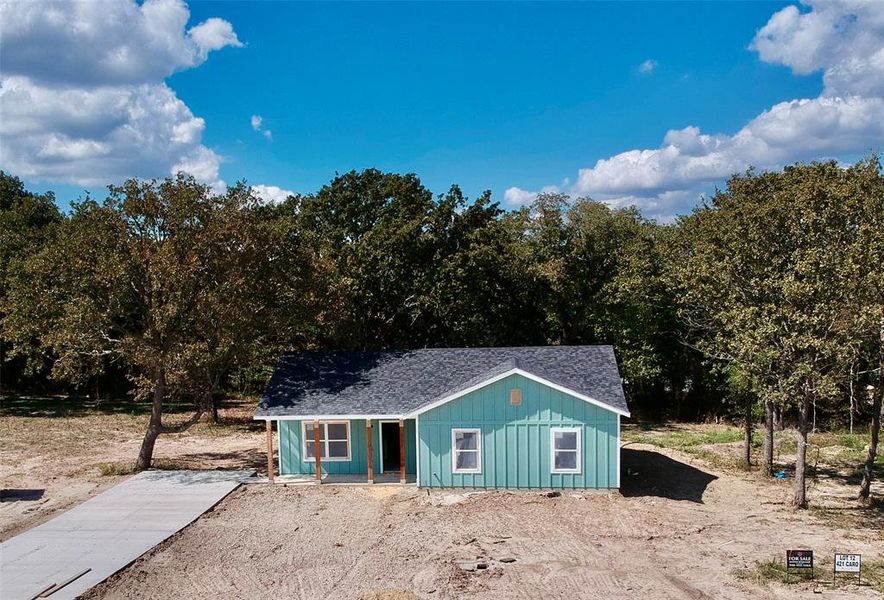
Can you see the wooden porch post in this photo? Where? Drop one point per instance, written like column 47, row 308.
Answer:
column 317, row 451
column 370, row 453
column 401, row 451
column 270, row 450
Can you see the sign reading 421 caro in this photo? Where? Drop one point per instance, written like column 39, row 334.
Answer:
column 847, row 563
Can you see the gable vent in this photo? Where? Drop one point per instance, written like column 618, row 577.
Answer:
column 515, row 397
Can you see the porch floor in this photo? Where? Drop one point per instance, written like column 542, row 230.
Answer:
column 341, row 479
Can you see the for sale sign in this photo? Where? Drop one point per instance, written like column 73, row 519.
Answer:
column 799, row 559
column 847, row 563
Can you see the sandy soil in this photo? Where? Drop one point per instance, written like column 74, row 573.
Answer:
column 50, row 463
column 677, row 531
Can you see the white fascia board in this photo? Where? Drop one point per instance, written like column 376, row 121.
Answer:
column 619, row 452
column 525, row 374
column 328, row 417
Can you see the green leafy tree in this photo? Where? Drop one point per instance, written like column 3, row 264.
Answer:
column 163, row 277
column 767, row 274
column 371, row 227
column 27, row 223
column 473, row 291
column 597, row 275
column 863, row 325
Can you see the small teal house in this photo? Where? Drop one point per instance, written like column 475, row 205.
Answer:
column 542, row 417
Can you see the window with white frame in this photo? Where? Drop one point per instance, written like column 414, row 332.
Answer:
column 466, row 450
column 334, row 440
column 565, row 449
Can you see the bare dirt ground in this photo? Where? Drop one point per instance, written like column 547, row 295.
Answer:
column 52, row 453
column 678, row 530
column 688, row 523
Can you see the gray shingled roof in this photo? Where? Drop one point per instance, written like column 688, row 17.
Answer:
column 397, row 382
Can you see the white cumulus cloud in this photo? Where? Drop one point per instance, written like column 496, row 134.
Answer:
column 648, row 66
column 92, row 106
column 844, row 40
column 271, row 194
column 518, row 197
column 257, row 122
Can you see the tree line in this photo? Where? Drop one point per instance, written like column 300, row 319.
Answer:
column 765, row 303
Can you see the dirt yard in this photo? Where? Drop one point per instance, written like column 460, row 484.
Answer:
column 688, row 523
column 56, row 453
column 677, row 531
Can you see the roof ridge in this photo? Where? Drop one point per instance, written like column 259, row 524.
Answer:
column 448, row 349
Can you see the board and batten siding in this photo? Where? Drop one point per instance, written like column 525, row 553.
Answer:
column 291, row 448
column 515, row 450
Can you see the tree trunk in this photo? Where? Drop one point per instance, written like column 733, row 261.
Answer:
column 814, row 416
column 800, row 500
column 768, row 437
column 852, row 396
column 213, row 400
column 747, row 442
column 155, row 426
column 865, row 487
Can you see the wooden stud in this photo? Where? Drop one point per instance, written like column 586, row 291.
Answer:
column 370, row 453
column 317, row 451
column 401, row 451
column 57, row 586
column 270, row 473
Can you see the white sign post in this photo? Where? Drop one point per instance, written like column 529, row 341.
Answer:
column 847, row 563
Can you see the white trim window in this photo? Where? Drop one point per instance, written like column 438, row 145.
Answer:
column 334, row 440
column 466, row 450
column 564, row 448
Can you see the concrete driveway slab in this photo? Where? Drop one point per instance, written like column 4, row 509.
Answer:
column 109, row 531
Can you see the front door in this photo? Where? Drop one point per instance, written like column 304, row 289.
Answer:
column 390, row 446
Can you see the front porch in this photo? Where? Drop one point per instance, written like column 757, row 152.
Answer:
column 331, row 479
column 331, row 450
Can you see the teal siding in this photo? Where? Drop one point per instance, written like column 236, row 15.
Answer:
column 291, row 449
column 410, row 445
column 515, row 449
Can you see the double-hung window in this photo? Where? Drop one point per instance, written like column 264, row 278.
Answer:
column 466, row 450
column 334, row 440
column 565, row 449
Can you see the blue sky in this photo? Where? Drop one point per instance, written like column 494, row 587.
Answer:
column 497, row 96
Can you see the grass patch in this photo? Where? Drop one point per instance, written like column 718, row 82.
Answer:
column 839, row 444
column 721, row 445
column 115, row 469
column 77, row 405
column 684, row 438
column 41, row 426
column 873, row 574
column 169, row 464
column 774, row 571
column 695, row 440
column 869, row 517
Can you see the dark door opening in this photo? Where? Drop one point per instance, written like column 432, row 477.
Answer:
column 390, row 446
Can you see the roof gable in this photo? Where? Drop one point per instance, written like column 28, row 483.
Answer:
column 503, row 375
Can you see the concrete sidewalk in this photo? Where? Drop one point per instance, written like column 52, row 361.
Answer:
column 109, row 531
